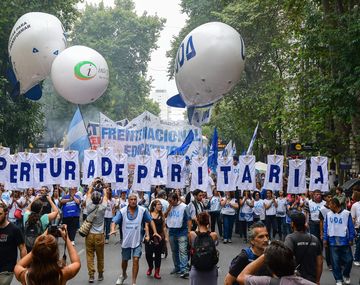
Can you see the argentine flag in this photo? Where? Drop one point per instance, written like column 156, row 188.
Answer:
column 77, row 137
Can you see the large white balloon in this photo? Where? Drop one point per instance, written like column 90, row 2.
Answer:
column 80, row 74
column 35, row 41
column 209, row 63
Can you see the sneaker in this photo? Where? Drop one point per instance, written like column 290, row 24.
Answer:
column 101, row 276
column 91, row 279
column 106, row 241
column 225, row 240
column 347, row 280
column 229, row 241
column 357, row 263
column 339, row 283
column 175, row 271
column 121, row 279
column 184, row 275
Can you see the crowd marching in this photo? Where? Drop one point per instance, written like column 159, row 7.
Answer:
column 300, row 227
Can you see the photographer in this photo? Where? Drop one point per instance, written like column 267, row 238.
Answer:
column 43, row 266
column 71, row 212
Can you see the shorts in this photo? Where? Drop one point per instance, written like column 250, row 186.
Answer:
column 128, row 252
column 6, row 277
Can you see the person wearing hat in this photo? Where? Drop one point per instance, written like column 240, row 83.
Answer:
column 94, row 242
column 306, row 248
column 315, row 205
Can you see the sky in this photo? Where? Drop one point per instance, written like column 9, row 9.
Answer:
column 157, row 69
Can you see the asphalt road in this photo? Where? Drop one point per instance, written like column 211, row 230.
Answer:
column 113, row 259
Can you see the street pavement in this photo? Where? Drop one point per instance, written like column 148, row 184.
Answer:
column 113, row 259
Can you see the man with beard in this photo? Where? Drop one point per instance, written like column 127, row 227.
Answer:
column 259, row 240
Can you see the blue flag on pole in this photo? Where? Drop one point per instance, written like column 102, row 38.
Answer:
column 181, row 150
column 249, row 150
column 77, row 137
column 213, row 152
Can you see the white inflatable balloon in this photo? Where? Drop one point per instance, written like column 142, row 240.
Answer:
column 80, row 74
column 209, row 63
column 35, row 41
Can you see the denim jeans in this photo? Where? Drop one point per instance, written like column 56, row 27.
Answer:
column 216, row 218
column 270, row 222
column 179, row 252
column 107, row 227
column 228, row 221
column 341, row 255
column 315, row 229
column 357, row 246
column 282, row 228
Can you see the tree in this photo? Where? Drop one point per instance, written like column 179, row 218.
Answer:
column 21, row 120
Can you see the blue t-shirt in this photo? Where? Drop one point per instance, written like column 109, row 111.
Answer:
column 71, row 209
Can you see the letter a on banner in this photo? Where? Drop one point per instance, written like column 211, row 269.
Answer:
column 121, row 171
column 319, row 176
column 176, row 177
column 4, row 152
column 246, row 179
column 200, row 175
column 225, row 174
column 54, row 166
column 71, row 169
column 25, row 172
column 142, row 173
column 106, row 164
column 41, row 161
column 158, row 166
column 90, row 166
column 297, row 176
column 274, row 173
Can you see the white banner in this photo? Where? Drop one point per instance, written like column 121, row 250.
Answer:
column 54, row 166
column 246, row 179
column 25, row 170
column 12, row 172
column 176, row 176
column 71, row 169
column 158, row 166
column 274, row 173
column 319, row 176
column 4, row 152
column 90, row 166
column 40, row 169
column 121, row 171
column 142, row 173
column 225, row 174
column 106, row 164
column 297, row 176
column 199, row 172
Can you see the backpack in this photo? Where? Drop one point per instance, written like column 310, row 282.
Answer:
column 204, row 255
column 31, row 232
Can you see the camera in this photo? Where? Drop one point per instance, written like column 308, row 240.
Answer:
column 54, row 230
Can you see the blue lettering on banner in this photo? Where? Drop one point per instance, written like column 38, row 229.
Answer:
column 158, row 169
column 274, row 173
column 41, row 167
column 106, row 166
column 175, row 172
column 54, row 173
column 247, row 175
column 321, row 177
column 142, row 172
column 200, row 178
column 91, row 168
column 174, row 214
column 13, row 173
column 70, row 167
column 3, row 163
column 226, row 170
column 25, row 168
column 297, row 178
column 119, row 172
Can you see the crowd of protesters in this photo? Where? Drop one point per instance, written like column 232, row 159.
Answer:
column 300, row 227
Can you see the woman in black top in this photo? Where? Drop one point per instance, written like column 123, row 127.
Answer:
column 153, row 245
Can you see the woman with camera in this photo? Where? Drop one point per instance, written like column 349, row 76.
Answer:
column 42, row 266
column 154, row 245
column 71, row 212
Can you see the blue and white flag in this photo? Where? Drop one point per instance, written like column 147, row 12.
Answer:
column 181, row 150
column 77, row 137
column 213, row 152
column 228, row 150
column 233, row 149
column 249, row 150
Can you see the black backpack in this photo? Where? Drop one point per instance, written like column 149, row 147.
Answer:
column 204, row 255
column 31, row 232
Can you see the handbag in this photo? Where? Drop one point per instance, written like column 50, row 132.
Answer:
column 87, row 224
column 18, row 214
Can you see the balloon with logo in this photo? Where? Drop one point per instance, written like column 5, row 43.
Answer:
column 80, row 74
column 209, row 63
column 35, row 41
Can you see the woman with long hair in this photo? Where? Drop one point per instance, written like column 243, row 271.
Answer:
column 229, row 206
column 153, row 245
column 42, row 266
column 246, row 217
